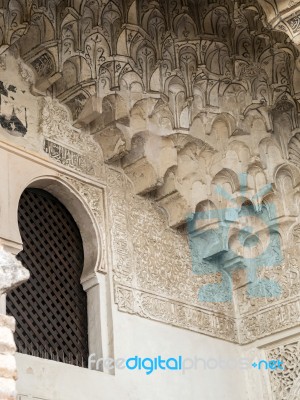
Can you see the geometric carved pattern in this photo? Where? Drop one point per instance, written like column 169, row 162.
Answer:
column 94, row 197
column 65, row 144
column 50, row 308
column 155, row 280
column 285, row 383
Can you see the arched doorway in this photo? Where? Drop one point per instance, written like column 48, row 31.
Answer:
column 51, row 307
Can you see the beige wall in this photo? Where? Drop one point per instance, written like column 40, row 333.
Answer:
column 135, row 336
column 132, row 335
column 90, row 199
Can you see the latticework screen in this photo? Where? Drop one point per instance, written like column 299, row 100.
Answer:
column 50, row 308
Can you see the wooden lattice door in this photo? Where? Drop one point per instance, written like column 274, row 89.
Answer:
column 50, row 308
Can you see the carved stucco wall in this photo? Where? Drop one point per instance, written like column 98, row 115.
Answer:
column 163, row 286
column 284, row 15
column 167, row 100
column 279, row 384
column 179, row 90
column 286, row 384
column 153, row 275
column 152, row 267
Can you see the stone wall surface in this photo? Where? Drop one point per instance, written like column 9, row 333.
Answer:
column 151, row 113
column 11, row 274
column 8, row 369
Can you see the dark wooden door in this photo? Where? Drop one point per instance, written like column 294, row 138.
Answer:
column 50, row 308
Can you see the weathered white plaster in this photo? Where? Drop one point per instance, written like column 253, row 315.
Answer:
column 12, row 273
